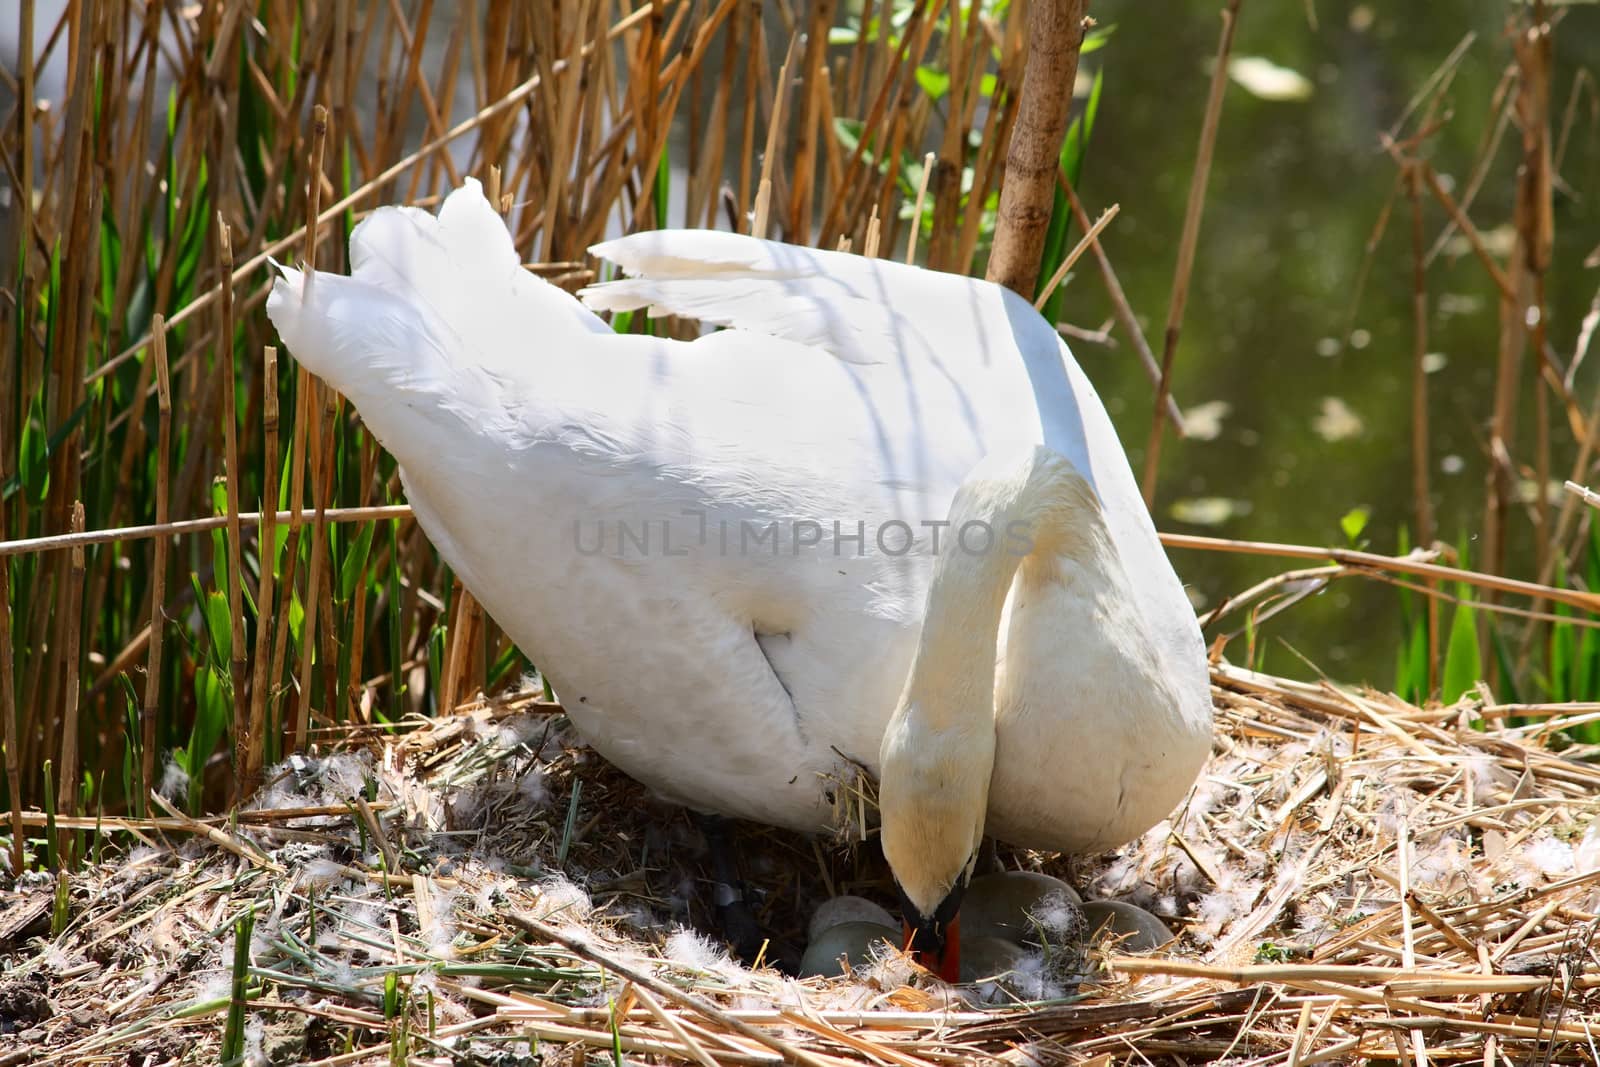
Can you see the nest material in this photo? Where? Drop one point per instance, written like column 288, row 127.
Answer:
column 1355, row 878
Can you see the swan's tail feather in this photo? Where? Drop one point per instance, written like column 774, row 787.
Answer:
column 429, row 297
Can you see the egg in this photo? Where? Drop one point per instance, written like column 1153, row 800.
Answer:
column 988, row 957
column 1134, row 929
column 845, row 909
column 997, row 905
column 852, row 941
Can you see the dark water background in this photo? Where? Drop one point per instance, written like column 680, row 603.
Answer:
column 1319, row 417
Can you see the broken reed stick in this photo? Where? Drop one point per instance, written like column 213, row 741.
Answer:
column 1072, row 257
column 916, row 212
column 763, row 208
column 1405, row 981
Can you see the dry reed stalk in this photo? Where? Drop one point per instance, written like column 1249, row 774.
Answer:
column 72, row 169
column 8, row 705
column 293, row 519
column 1522, row 302
column 1089, row 238
column 300, row 236
column 266, row 554
column 72, row 632
column 25, row 161
column 238, row 656
column 150, row 712
column 968, row 52
column 1119, row 303
column 1403, row 565
column 321, row 454
column 1535, row 222
column 23, row 183
column 1422, row 502
column 891, row 86
column 313, row 421
column 566, row 129
column 916, row 210
column 869, row 247
column 995, row 134
column 1188, row 242
column 1055, row 35
column 219, row 837
column 1501, row 103
column 450, row 670
column 1474, row 239
column 813, row 71
column 291, row 556
column 677, row 73
column 769, row 158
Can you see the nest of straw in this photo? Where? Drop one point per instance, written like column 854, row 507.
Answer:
column 1353, row 878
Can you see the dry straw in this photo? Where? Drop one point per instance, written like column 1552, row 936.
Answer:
column 1366, row 867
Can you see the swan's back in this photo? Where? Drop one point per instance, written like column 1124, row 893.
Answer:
column 1016, row 381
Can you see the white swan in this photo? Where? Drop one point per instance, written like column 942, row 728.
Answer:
column 720, row 552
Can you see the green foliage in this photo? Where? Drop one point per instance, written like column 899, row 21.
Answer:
column 1353, row 522
column 1073, row 150
column 233, row 1033
column 211, row 715
column 1462, row 666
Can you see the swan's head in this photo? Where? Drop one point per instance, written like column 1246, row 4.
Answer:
column 933, row 792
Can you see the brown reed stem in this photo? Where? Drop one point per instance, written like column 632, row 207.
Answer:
column 1422, row 504
column 1055, row 36
column 1402, row 565
column 1119, row 303
column 291, row 554
column 266, row 552
column 8, row 701
column 237, row 655
column 1421, row 494
column 23, row 199
column 769, row 159
column 72, row 631
column 151, row 711
column 311, row 388
column 1188, row 242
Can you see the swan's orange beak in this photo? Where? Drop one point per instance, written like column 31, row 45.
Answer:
column 943, row 957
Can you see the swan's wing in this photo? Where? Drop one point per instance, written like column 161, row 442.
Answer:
column 860, row 310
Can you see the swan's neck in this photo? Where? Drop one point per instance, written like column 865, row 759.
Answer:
column 1037, row 512
column 938, row 750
